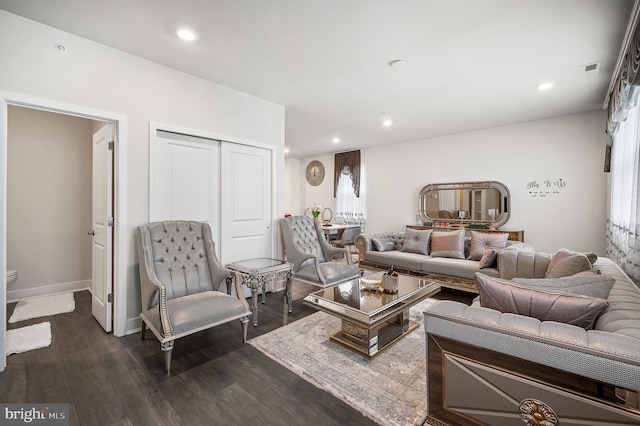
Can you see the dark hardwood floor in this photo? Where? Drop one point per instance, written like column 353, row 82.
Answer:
column 215, row 379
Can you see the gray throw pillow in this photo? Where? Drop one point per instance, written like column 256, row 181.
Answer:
column 488, row 259
column 385, row 244
column 416, row 241
column 507, row 297
column 569, row 265
column 448, row 244
column 591, row 285
column 481, row 241
column 563, row 253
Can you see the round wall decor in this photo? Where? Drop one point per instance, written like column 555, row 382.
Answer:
column 315, row 173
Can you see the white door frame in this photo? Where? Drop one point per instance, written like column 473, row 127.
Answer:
column 121, row 252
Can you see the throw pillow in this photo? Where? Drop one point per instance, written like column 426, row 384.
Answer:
column 384, row 244
column 488, row 259
column 448, row 244
column 480, row 241
column 569, row 265
column 587, row 285
column 563, row 253
column 416, row 241
column 507, row 297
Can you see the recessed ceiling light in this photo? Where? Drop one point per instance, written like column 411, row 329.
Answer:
column 387, row 122
column 286, row 150
column 60, row 47
column 396, row 63
column 186, row 34
column 545, row 86
column 335, row 140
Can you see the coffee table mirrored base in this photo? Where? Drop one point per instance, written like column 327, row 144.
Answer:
column 372, row 321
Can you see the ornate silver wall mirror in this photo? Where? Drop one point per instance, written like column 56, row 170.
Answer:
column 466, row 203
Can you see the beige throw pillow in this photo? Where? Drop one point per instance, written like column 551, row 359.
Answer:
column 569, row 265
column 507, row 297
column 448, row 244
column 489, row 258
column 563, row 253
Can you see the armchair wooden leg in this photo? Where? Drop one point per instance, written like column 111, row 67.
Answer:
column 245, row 325
column 167, row 349
column 143, row 330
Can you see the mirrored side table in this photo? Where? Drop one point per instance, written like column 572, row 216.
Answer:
column 254, row 273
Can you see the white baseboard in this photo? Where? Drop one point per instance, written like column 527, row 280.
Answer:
column 133, row 326
column 20, row 294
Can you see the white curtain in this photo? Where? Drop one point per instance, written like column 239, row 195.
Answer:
column 623, row 227
column 349, row 208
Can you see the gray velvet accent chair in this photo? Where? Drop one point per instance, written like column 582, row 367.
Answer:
column 347, row 240
column 310, row 253
column 180, row 279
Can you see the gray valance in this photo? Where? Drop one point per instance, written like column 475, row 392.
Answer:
column 347, row 163
column 624, row 93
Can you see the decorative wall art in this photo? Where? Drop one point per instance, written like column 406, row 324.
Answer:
column 546, row 187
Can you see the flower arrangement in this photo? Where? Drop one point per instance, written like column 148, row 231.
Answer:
column 316, row 209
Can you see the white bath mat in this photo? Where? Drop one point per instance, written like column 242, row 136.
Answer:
column 28, row 338
column 43, row 306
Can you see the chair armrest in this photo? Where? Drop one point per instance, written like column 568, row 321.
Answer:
column 328, row 250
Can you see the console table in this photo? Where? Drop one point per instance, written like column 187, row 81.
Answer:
column 514, row 235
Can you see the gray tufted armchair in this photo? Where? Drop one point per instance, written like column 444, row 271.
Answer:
column 310, row 253
column 180, row 278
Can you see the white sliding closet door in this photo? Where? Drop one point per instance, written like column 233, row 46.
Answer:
column 185, row 180
column 245, row 203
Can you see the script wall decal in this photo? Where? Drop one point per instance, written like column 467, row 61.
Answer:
column 545, row 188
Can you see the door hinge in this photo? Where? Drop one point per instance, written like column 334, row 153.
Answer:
column 111, row 145
column 110, row 298
column 110, row 222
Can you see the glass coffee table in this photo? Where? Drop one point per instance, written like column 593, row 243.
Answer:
column 372, row 320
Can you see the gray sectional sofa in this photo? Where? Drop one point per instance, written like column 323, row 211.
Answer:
column 448, row 272
column 494, row 368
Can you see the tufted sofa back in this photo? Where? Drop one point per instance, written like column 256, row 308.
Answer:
column 182, row 256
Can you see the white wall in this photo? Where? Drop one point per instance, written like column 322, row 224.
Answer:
column 48, row 201
column 570, row 148
column 95, row 76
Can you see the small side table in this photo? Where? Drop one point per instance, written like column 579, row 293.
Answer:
column 254, row 273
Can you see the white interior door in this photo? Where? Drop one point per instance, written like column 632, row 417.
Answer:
column 185, row 179
column 246, row 203
column 102, row 232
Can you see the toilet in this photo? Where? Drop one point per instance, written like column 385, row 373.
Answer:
column 12, row 277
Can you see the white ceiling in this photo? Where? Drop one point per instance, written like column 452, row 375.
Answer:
column 469, row 64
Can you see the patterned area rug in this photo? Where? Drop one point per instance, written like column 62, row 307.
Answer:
column 390, row 389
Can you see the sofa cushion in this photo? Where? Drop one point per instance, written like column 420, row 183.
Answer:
column 416, row 241
column 591, row 285
column 568, row 265
column 448, row 244
column 508, row 297
column 386, row 244
column 481, row 241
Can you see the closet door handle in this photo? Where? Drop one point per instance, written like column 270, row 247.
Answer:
column 92, row 233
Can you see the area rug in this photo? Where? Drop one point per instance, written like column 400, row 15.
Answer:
column 28, row 338
column 43, row 306
column 390, row 389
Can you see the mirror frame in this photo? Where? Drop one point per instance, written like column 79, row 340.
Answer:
column 505, row 201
